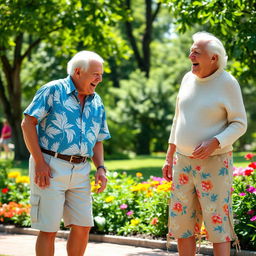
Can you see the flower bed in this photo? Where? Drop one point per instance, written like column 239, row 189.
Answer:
column 131, row 206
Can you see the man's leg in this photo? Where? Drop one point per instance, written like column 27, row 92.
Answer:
column 77, row 240
column 221, row 249
column 45, row 243
column 187, row 246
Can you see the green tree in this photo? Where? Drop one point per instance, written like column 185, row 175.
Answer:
column 65, row 25
column 234, row 21
column 145, row 106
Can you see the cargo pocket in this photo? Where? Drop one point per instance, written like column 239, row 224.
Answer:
column 34, row 201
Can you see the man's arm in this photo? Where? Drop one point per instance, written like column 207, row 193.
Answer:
column 167, row 168
column 42, row 169
column 98, row 160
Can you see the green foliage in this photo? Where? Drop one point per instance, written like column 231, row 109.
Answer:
column 135, row 206
column 244, row 206
column 144, row 107
column 129, row 207
column 233, row 21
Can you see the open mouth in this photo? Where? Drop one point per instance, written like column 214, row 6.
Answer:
column 93, row 85
column 195, row 64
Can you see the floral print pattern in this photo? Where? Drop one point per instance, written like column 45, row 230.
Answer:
column 63, row 126
column 205, row 187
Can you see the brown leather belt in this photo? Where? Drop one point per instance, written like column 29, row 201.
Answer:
column 72, row 159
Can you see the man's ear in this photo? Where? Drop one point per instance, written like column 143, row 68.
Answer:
column 214, row 58
column 77, row 72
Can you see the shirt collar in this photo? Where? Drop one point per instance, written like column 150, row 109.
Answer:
column 70, row 87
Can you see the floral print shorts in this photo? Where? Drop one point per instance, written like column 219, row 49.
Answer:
column 201, row 191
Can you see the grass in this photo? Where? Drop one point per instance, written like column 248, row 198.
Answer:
column 148, row 165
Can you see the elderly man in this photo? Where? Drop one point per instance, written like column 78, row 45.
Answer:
column 209, row 118
column 63, row 127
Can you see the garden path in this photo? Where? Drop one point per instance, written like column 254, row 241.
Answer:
column 23, row 245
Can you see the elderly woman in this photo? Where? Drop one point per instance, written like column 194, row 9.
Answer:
column 209, row 117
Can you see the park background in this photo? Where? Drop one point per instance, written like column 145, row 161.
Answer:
column 145, row 45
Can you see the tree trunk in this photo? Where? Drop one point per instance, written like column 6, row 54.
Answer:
column 143, row 139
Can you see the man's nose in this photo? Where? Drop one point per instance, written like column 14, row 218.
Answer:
column 191, row 56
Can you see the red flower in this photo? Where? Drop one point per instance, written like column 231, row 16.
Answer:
column 5, row 190
column 228, row 239
column 216, row 219
column 154, row 221
column 252, row 165
column 248, row 171
column 197, row 228
column 249, row 156
column 226, row 163
column 198, row 193
column 183, row 179
column 198, row 168
column 207, row 185
column 225, row 209
column 177, row 207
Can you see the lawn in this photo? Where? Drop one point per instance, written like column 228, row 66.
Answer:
column 148, row 165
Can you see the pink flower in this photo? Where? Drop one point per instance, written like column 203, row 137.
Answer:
column 253, row 218
column 123, row 206
column 249, row 156
column 251, row 189
column 242, row 194
column 129, row 213
column 251, row 212
column 238, row 171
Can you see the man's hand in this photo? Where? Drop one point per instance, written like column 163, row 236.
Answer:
column 206, row 148
column 42, row 175
column 167, row 170
column 100, row 177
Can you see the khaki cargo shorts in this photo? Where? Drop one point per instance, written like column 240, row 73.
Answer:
column 201, row 190
column 67, row 197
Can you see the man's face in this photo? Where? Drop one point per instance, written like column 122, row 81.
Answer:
column 87, row 81
column 203, row 63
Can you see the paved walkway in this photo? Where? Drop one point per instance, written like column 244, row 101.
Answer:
column 23, row 245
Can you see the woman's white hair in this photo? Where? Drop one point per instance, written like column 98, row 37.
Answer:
column 82, row 60
column 214, row 46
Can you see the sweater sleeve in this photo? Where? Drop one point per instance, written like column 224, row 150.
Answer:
column 236, row 115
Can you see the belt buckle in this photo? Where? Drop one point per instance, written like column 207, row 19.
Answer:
column 76, row 157
column 73, row 157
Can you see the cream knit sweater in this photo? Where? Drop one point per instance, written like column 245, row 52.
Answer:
column 206, row 108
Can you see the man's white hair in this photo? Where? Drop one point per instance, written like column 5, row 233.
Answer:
column 214, row 46
column 82, row 60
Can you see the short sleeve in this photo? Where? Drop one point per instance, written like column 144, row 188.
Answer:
column 41, row 103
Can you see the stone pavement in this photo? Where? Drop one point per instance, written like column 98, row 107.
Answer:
column 23, row 245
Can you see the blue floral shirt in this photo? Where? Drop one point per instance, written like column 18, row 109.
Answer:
column 63, row 126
